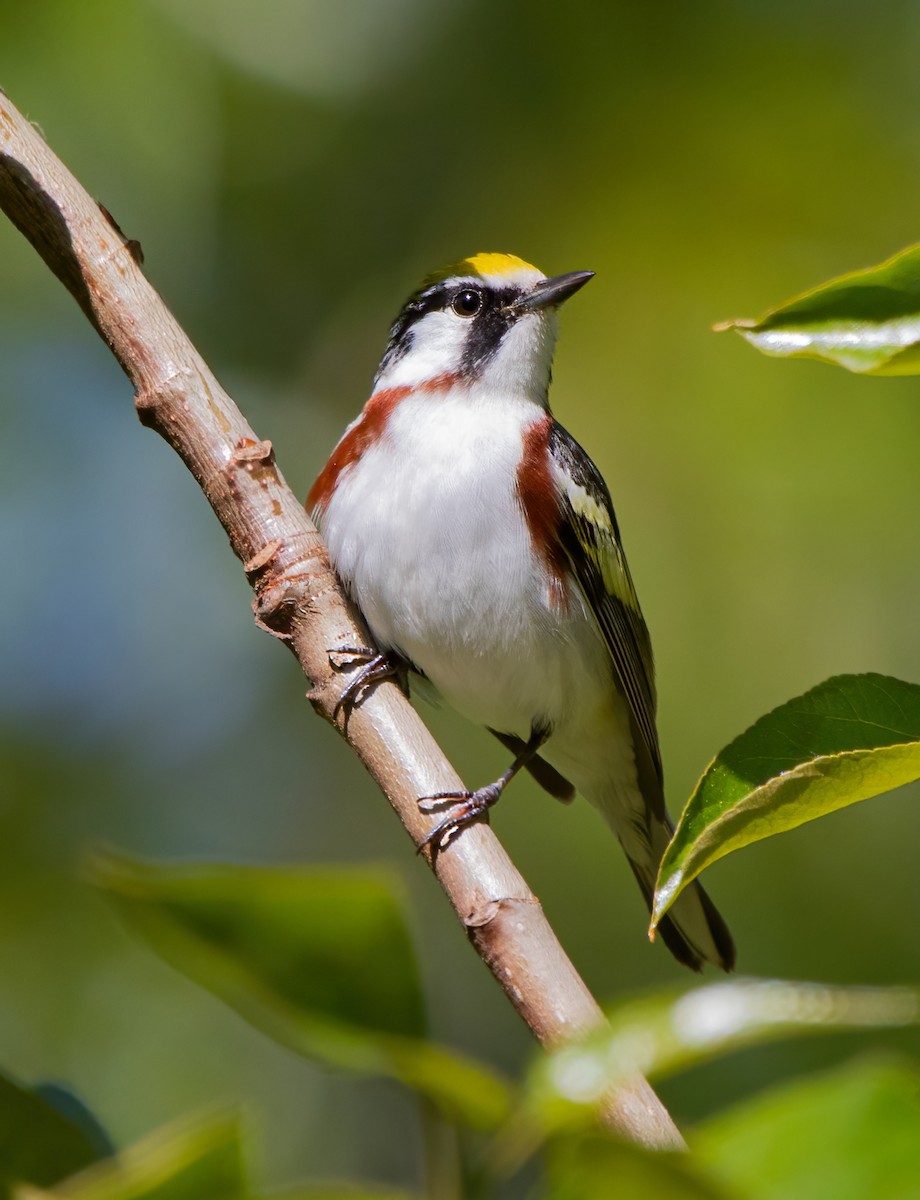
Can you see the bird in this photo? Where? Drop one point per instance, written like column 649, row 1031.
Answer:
column 480, row 544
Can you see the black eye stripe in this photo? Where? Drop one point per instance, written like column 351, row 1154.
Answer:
column 487, row 326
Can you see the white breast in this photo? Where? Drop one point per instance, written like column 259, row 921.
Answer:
column 427, row 531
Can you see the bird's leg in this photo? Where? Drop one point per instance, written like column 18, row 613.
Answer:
column 377, row 667
column 469, row 806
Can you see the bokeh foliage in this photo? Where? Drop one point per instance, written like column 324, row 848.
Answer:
column 291, row 174
column 263, row 941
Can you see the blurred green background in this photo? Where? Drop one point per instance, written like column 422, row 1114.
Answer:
column 291, row 173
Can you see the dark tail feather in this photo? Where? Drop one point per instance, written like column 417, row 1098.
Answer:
column 693, row 930
column 683, row 950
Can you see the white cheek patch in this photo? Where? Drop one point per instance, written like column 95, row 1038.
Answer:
column 523, row 360
column 437, row 346
column 519, row 365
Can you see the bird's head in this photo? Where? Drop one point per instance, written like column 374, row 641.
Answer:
column 489, row 320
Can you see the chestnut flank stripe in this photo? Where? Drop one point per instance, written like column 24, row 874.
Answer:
column 540, row 502
column 364, row 432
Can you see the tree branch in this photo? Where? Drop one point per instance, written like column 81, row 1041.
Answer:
column 296, row 594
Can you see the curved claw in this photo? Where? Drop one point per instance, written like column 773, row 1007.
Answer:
column 468, row 807
column 429, row 803
column 377, row 667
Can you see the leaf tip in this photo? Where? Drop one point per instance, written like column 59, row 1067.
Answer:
column 736, row 323
column 665, row 895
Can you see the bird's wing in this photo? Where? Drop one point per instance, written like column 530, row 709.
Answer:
column 590, row 538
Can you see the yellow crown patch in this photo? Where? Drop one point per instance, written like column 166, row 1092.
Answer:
column 496, row 264
column 481, row 265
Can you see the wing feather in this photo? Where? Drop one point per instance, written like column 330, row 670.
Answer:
column 591, row 539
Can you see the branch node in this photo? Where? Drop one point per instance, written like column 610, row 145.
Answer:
column 132, row 245
column 321, row 701
column 255, row 565
column 491, row 910
column 146, row 404
column 159, row 403
column 284, row 578
column 251, row 455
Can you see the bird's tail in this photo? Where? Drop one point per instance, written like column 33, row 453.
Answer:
column 693, row 929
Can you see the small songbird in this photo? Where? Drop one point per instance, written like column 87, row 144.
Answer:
column 479, row 541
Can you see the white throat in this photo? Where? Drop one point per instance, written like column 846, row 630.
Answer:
column 520, row 365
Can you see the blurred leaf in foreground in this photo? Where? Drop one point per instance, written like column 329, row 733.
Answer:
column 197, row 1160
column 592, row 1166
column 38, row 1143
column 662, row 1034
column 847, row 739
column 319, row 959
column 69, row 1104
column 866, row 321
column 849, row 1135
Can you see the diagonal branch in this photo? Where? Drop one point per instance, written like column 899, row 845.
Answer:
column 297, row 597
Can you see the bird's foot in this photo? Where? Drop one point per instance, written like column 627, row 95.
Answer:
column 466, row 807
column 377, row 667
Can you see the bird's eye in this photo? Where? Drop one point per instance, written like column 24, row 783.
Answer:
column 467, row 303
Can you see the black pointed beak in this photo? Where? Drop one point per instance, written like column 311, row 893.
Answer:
column 550, row 293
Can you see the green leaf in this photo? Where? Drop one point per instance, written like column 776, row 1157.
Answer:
column 866, row 321
column 38, row 1143
column 197, row 1160
column 591, row 1166
column 849, row 1135
column 847, row 739
column 333, row 943
column 668, row 1032
column 320, row 960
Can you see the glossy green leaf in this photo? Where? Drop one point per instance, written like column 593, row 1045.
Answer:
column 198, row 1160
column 866, row 321
column 38, row 1143
column 847, row 739
column 668, row 1032
column 321, row 960
column 849, row 1135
